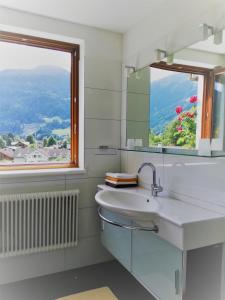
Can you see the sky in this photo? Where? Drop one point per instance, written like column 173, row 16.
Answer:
column 157, row 74
column 15, row 56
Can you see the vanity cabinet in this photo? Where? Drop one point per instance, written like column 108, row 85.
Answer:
column 157, row 264
column 166, row 271
column 117, row 240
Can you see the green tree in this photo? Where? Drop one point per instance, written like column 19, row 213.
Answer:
column 154, row 139
column 11, row 136
column 30, row 139
column 64, row 145
column 51, row 141
column 2, row 143
column 179, row 132
column 8, row 139
column 45, row 142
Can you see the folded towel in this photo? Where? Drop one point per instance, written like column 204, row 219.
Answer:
column 122, row 180
column 121, row 175
column 120, row 185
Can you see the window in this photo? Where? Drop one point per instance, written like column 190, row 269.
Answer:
column 39, row 102
column 178, row 104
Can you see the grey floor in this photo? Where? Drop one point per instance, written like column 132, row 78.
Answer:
column 51, row 287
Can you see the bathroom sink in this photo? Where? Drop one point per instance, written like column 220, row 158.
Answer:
column 132, row 205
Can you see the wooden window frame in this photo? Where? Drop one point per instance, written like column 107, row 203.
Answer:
column 74, row 50
column 207, row 101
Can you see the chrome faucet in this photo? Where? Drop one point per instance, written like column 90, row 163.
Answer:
column 156, row 188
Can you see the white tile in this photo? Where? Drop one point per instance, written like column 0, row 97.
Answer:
column 101, row 44
column 34, row 178
column 124, row 161
column 76, row 176
column 89, row 251
column 98, row 165
column 123, row 127
column 139, row 82
column 88, row 189
column 196, row 177
column 32, row 186
column 103, row 74
column 102, row 104
column 88, row 222
column 138, row 130
column 124, row 105
column 134, row 161
column 138, row 107
column 102, row 132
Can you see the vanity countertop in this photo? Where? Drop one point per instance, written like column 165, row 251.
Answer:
column 175, row 211
column 185, row 225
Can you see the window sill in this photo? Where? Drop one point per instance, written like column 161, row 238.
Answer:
column 41, row 172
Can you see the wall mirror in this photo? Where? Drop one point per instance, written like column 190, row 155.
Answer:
column 177, row 105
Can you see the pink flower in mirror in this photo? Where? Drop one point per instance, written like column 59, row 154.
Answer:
column 193, row 99
column 179, row 109
column 190, row 115
column 180, row 118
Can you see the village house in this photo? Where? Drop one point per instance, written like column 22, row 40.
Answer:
column 20, row 143
column 6, row 154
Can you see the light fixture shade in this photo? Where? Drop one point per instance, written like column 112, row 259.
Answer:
column 170, row 59
column 218, row 37
column 160, row 55
column 130, row 70
column 157, row 55
column 206, row 31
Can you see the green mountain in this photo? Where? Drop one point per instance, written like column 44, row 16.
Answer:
column 34, row 100
column 166, row 94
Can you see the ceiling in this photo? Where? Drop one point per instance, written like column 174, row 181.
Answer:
column 114, row 15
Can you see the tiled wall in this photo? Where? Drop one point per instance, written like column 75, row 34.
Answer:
column 103, row 56
column 198, row 180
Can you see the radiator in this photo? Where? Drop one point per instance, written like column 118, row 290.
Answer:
column 35, row 222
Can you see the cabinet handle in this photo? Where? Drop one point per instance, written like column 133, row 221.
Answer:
column 154, row 228
column 177, row 282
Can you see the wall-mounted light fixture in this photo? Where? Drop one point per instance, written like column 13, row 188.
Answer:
column 207, row 31
column 170, row 59
column 160, row 55
column 218, row 37
column 130, row 70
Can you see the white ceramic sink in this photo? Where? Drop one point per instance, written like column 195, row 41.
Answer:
column 132, row 205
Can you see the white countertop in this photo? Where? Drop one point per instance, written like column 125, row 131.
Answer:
column 175, row 211
column 184, row 225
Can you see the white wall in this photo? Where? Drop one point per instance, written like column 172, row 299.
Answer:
column 103, row 57
column 173, row 28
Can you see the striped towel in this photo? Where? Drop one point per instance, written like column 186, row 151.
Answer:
column 120, row 180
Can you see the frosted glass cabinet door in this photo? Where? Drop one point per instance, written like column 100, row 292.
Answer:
column 158, row 265
column 117, row 240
